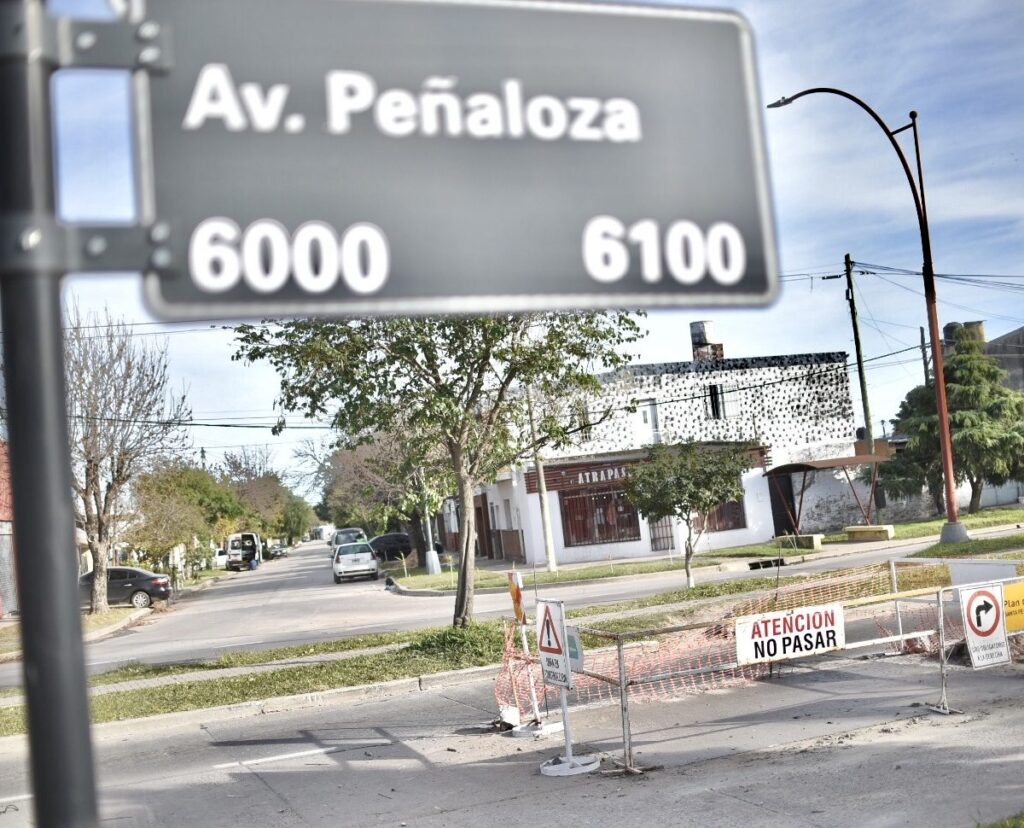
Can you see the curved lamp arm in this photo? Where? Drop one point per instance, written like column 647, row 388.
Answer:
column 953, row 531
column 922, row 218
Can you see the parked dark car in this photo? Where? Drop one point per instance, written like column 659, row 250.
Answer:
column 391, row 546
column 127, row 585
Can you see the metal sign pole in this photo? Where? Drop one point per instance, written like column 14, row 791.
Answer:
column 47, row 570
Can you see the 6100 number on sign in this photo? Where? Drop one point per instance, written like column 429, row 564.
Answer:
column 689, row 252
column 265, row 255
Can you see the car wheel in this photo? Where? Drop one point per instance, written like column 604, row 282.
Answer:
column 337, row 579
column 376, row 575
column 141, row 600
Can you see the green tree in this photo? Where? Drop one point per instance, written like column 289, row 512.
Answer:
column 258, row 486
column 298, row 518
column 396, row 481
column 986, row 422
column 919, row 464
column 456, row 380
column 986, row 419
column 688, row 481
column 181, row 504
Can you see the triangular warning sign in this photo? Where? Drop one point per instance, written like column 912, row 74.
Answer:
column 547, row 641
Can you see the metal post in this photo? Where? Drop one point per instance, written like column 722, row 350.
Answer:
column 943, row 704
column 851, row 298
column 895, row 588
column 953, row 531
column 627, row 736
column 44, row 528
column 565, row 725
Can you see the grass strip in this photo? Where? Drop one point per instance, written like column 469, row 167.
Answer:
column 986, row 518
column 1015, row 821
column 10, row 636
column 243, row 658
column 700, row 592
column 758, row 550
column 489, row 578
column 974, row 548
column 434, row 651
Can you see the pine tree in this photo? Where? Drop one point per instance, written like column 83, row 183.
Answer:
column 986, row 418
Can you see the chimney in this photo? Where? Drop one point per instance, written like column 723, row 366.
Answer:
column 976, row 330
column 701, row 336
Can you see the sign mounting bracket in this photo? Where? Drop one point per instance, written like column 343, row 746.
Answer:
column 29, row 32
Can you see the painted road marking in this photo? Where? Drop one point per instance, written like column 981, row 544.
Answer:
column 347, row 743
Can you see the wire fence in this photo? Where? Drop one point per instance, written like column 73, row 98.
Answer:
column 889, row 607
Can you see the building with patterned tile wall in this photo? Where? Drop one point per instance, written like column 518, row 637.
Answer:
column 794, row 407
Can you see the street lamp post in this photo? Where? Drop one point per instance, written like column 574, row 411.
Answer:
column 953, row 531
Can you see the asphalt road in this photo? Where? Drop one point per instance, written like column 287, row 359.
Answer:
column 829, row 743
column 295, row 601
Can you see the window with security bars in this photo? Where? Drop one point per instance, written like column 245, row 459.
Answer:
column 724, row 516
column 598, row 516
column 722, row 402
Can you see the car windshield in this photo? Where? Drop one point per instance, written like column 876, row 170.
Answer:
column 354, row 549
column 348, row 536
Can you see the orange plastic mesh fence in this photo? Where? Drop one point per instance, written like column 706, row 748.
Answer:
column 673, row 664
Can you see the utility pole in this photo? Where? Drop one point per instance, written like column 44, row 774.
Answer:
column 542, row 492
column 860, row 356
column 924, row 358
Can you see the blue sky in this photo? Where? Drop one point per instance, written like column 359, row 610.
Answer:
column 837, row 187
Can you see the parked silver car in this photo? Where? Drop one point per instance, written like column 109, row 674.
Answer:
column 352, row 560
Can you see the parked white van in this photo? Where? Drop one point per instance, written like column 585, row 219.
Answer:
column 242, row 549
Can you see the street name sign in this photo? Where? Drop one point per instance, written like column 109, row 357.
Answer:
column 984, row 625
column 794, row 633
column 356, row 157
column 552, row 644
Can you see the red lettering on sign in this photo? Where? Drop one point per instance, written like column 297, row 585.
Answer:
column 548, row 641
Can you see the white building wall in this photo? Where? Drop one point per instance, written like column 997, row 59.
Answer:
column 794, row 405
column 829, row 504
column 798, row 407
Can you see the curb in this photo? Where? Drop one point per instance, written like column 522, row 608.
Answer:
column 95, row 635
column 737, row 565
column 285, row 704
column 433, row 593
column 120, row 625
column 204, row 584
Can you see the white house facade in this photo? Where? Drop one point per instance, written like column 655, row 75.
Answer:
column 795, row 407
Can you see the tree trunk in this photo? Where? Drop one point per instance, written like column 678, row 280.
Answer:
column 938, row 498
column 467, row 551
column 417, row 535
column 977, row 486
column 99, row 577
column 690, row 582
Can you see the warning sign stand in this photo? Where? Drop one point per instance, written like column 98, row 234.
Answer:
column 554, row 655
column 536, row 728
